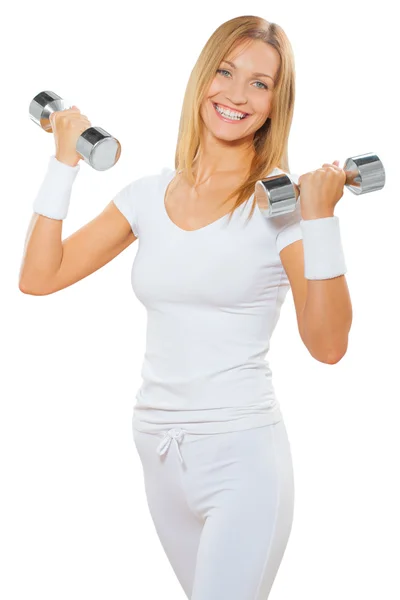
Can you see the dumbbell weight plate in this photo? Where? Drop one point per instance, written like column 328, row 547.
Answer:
column 98, row 148
column 367, row 173
column 42, row 106
column 276, row 195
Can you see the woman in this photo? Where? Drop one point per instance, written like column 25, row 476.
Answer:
column 212, row 274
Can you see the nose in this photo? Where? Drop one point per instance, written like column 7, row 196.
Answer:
column 175, row 435
column 235, row 93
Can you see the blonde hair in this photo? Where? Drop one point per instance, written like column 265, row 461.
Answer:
column 271, row 140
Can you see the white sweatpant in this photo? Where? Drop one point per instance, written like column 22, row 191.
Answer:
column 222, row 505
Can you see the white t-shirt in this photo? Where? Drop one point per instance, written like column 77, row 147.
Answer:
column 213, row 297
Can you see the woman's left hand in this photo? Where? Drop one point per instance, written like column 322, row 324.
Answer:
column 321, row 190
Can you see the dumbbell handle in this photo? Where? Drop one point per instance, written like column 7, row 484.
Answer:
column 352, row 179
column 96, row 146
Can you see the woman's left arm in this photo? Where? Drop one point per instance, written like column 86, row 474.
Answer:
column 323, row 306
column 327, row 318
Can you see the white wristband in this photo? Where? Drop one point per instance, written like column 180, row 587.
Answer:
column 54, row 194
column 323, row 252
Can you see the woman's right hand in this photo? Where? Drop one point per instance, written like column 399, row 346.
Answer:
column 67, row 126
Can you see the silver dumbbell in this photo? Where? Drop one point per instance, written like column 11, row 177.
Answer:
column 97, row 147
column 278, row 194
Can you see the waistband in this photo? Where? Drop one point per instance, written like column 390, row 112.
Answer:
column 175, row 430
column 212, row 422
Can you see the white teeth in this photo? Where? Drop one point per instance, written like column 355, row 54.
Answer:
column 229, row 114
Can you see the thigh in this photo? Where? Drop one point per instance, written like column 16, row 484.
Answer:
column 178, row 529
column 249, row 521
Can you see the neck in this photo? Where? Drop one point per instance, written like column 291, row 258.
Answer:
column 217, row 158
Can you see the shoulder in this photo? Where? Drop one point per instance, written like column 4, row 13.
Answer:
column 137, row 194
column 145, row 183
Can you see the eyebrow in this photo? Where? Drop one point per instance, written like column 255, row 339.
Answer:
column 254, row 74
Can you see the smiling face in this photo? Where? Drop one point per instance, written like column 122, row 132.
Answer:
column 243, row 83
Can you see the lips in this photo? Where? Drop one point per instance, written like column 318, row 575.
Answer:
column 229, row 108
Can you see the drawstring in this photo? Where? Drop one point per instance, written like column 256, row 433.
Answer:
column 172, row 434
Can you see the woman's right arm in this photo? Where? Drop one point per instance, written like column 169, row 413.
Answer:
column 50, row 264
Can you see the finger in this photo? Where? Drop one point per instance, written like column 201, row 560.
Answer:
column 336, row 166
column 73, row 109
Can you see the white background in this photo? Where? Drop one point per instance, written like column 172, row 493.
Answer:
column 74, row 521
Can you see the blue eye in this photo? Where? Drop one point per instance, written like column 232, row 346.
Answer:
column 263, row 84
